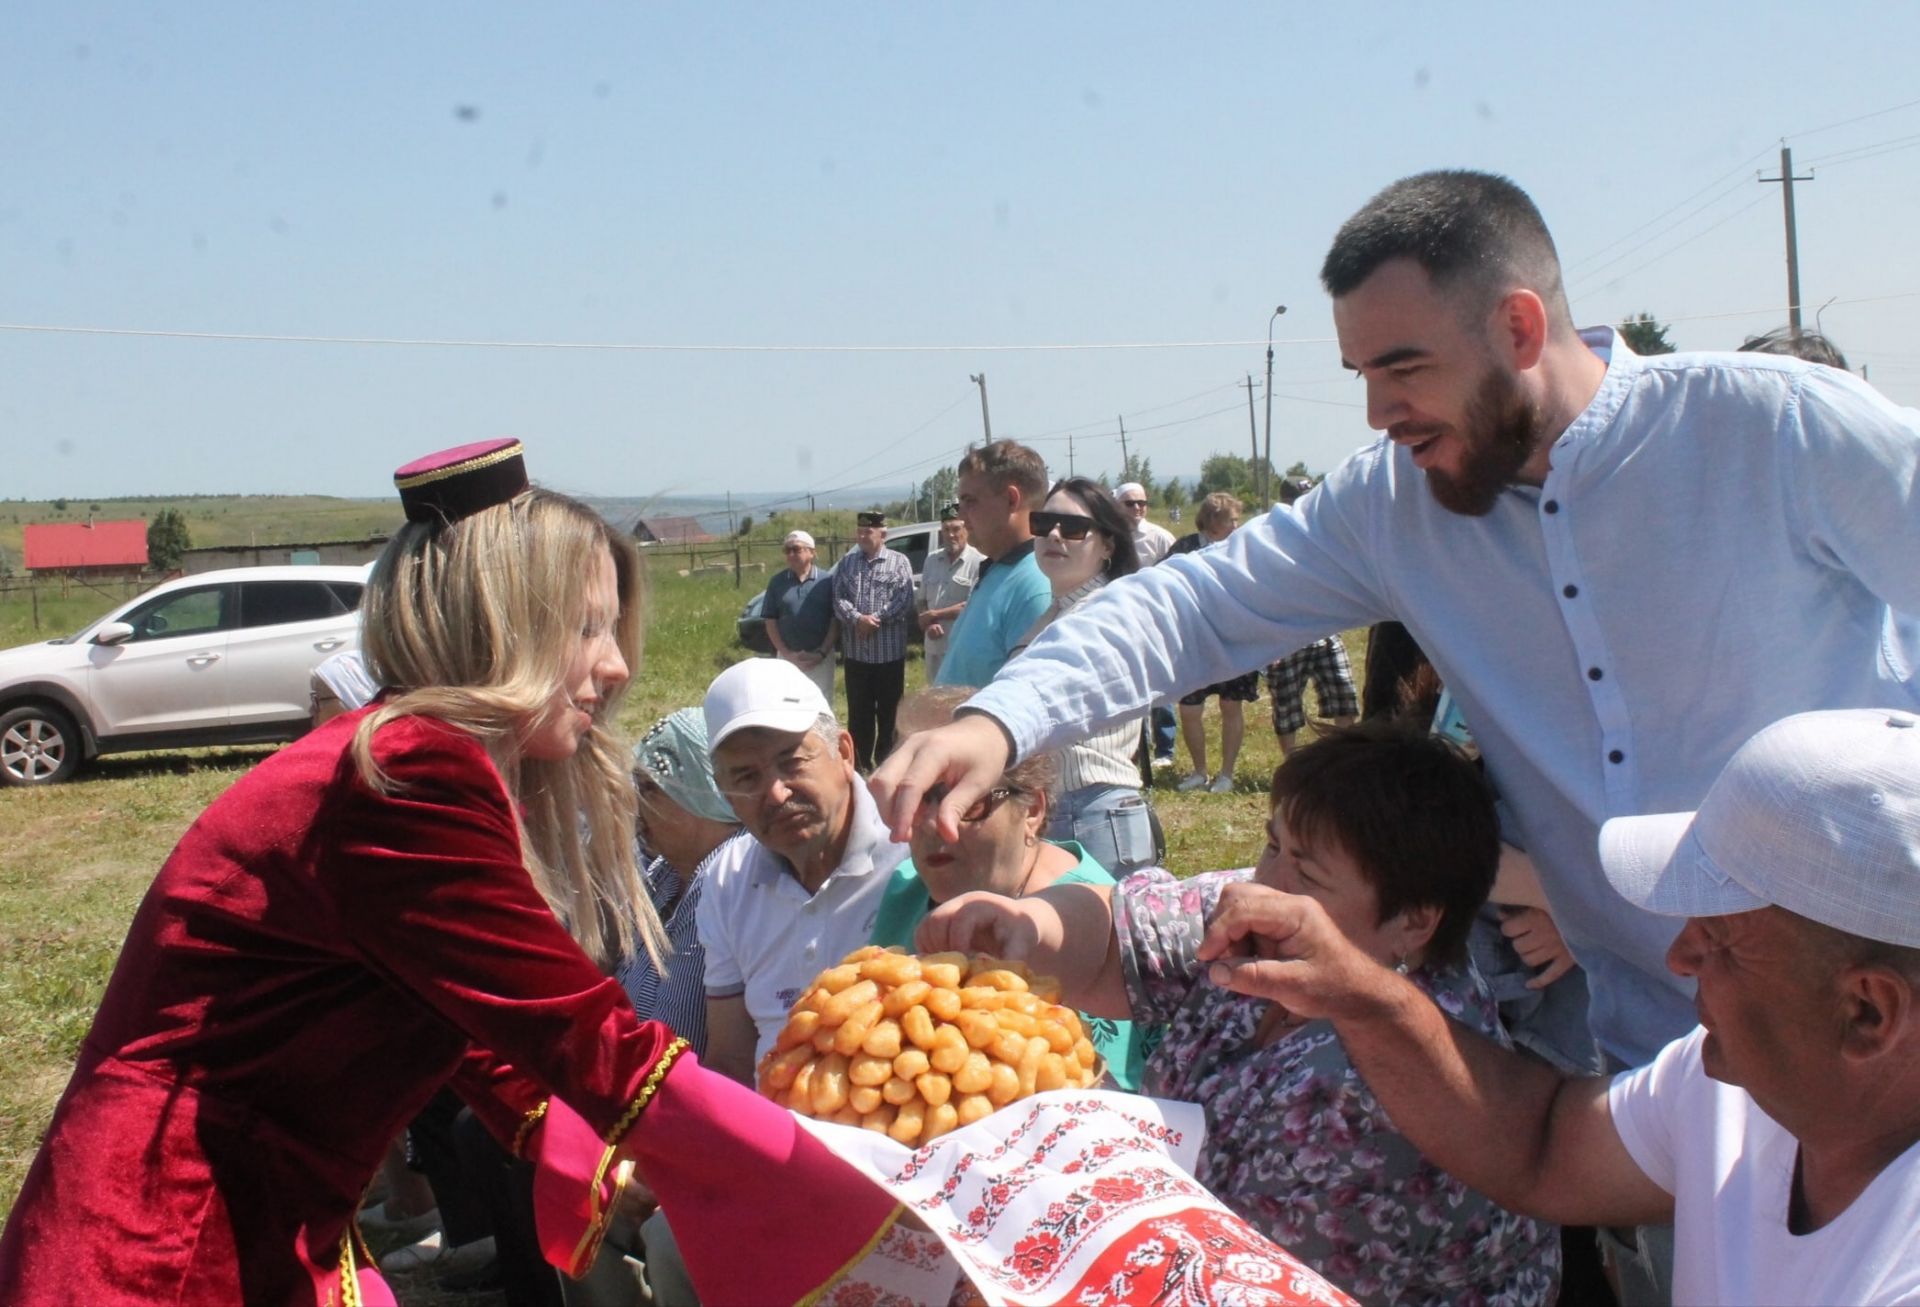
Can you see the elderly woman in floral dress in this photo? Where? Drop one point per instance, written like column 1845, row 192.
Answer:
column 1394, row 834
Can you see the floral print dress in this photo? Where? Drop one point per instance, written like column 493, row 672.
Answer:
column 1296, row 1142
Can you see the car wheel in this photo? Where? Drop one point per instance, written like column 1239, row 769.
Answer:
column 38, row 746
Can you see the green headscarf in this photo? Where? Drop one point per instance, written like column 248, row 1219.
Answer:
column 673, row 755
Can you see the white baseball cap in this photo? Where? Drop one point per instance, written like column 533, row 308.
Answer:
column 1130, row 488
column 1818, row 814
column 769, row 692
column 798, row 538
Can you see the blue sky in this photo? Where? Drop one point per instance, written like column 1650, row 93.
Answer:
column 859, row 176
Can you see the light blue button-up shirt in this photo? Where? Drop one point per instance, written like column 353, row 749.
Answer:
column 1714, row 549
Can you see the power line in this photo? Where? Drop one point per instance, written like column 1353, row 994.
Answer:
column 1848, row 122
column 1740, row 167
column 1620, row 276
column 646, row 348
column 1751, row 313
column 1588, row 277
column 1867, row 152
column 1578, row 264
column 1062, row 432
column 1860, row 149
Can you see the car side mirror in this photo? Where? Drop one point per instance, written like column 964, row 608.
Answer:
column 113, row 633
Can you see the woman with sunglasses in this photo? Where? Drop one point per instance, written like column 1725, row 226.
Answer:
column 1000, row 851
column 1082, row 540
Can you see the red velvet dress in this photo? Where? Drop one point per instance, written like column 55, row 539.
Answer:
column 311, row 964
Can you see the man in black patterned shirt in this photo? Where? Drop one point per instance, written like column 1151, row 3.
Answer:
column 873, row 591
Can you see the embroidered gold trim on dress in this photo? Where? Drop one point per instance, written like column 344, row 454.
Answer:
column 647, row 1091
column 821, row 1290
column 600, row 1212
column 533, row 1117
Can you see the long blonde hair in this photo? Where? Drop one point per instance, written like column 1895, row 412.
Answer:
column 475, row 623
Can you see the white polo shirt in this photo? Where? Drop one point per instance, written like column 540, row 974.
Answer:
column 766, row 938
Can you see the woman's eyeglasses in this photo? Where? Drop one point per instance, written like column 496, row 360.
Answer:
column 980, row 808
column 1071, row 526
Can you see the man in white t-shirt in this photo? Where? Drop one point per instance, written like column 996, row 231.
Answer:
column 1781, row 1137
column 778, row 909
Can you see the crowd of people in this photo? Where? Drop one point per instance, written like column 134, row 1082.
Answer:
column 1666, row 599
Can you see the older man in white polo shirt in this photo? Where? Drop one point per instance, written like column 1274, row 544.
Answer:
column 802, row 893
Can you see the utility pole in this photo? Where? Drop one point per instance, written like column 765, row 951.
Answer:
column 1253, row 438
column 1786, row 179
column 1069, row 453
column 980, row 380
column 1266, row 466
column 1126, row 459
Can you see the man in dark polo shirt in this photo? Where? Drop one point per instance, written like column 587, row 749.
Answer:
column 800, row 616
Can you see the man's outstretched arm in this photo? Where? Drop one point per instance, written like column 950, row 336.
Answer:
column 1510, row 1126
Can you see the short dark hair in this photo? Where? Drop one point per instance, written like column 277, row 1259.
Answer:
column 1808, row 345
column 1008, row 463
column 1410, row 809
column 1109, row 517
column 1467, row 230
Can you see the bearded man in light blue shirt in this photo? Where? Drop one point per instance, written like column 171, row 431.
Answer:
column 1622, row 567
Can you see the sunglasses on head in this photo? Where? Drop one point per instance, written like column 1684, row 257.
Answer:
column 1071, row 526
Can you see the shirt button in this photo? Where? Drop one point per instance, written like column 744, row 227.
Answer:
column 1594, row 673
column 1570, row 590
column 1616, row 756
column 1552, row 505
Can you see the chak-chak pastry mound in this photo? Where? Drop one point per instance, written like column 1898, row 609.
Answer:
column 917, row 1046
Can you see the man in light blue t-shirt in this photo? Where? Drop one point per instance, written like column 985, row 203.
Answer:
column 999, row 484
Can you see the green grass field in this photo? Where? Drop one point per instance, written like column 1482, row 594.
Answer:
column 79, row 856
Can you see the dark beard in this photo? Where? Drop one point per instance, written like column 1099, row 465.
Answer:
column 1501, row 429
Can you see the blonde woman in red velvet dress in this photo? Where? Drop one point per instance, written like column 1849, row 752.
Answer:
column 426, row 891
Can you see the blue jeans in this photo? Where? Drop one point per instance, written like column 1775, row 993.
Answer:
column 1164, row 731
column 1111, row 822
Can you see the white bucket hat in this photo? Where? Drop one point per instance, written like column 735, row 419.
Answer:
column 1818, row 814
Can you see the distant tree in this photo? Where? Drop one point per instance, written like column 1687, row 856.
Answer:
column 59, row 505
column 746, row 523
column 1645, row 335
column 1139, row 469
column 167, row 539
column 943, row 487
column 93, row 508
column 1172, row 493
column 1300, row 470
column 1228, row 472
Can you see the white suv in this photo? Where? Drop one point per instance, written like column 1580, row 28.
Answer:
column 218, row 658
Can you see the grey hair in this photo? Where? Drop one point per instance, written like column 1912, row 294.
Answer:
column 827, row 727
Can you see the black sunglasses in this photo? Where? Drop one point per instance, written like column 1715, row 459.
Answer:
column 1133, row 503
column 1071, row 526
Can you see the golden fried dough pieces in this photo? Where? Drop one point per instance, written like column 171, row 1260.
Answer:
column 917, row 1046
